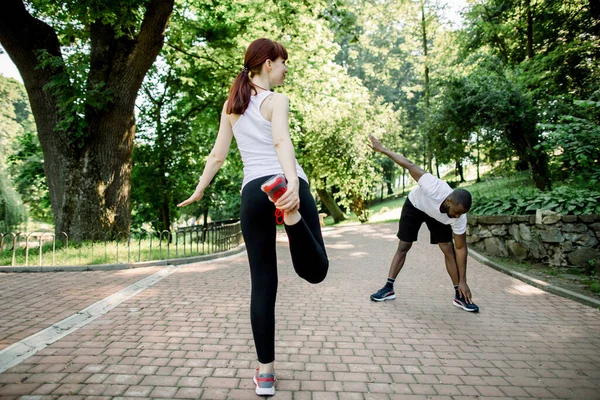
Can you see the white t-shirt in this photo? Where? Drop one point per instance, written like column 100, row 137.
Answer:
column 255, row 140
column 428, row 197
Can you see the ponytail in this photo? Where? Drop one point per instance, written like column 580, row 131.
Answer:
column 239, row 94
column 257, row 53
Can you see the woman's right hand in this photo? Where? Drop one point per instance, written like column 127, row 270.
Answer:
column 290, row 200
column 195, row 197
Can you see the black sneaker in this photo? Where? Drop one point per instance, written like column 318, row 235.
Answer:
column 461, row 303
column 383, row 294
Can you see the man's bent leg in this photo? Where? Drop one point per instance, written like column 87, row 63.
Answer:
column 399, row 258
column 387, row 292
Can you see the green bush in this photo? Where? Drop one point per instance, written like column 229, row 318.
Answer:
column 12, row 211
column 574, row 142
column 563, row 200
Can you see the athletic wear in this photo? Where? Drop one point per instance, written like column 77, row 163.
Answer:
column 461, row 303
column 428, row 197
column 411, row 220
column 265, row 384
column 306, row 247
column 383, row 294
column 390, row 283
column 255, row 140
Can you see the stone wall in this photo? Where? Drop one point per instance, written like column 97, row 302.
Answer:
column 547, row 237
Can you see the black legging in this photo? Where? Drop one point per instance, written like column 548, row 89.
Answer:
column 306, row 247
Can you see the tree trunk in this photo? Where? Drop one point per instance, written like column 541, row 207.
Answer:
column 329, row 202
column 403, row 181
column 390, row 189
column 87, row 163
column 478, row 158
column 459, row 169
column 529, row 29
column 595, row 12
column 524, row 140
column 429, row 139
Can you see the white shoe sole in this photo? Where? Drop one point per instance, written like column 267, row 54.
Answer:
column 464, row 308
column 392, row 297
column 263, row 391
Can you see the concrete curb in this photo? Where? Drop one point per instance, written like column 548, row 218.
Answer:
column 588, row 301
column 113, row 267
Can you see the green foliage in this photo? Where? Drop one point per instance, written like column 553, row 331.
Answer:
column 12, row 211
column 574, row 142
column 20, row 154
column 180, row 108
column 331, row 113
column 73, row 17
column 595, row 287
column 27, row 169
column 552, row 43
column 563, row 200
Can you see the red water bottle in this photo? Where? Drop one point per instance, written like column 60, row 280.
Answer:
column 275, row 187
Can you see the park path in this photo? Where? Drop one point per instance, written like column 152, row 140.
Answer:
column 188, row 335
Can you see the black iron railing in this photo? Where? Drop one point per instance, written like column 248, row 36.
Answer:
column 44, row 248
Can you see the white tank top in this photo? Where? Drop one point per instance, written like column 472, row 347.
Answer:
column 255, row 140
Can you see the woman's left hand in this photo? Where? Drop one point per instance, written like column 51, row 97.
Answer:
column 290, row 201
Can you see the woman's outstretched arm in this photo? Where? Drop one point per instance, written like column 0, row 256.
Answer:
column 215, row 159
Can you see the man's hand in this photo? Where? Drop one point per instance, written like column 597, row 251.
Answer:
column 464, row 292
column 376, row 144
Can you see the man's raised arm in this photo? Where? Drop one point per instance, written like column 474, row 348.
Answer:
column 415, row 171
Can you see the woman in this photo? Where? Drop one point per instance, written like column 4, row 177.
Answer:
column 259, row 120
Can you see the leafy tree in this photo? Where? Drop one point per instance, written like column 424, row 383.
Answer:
column 554, row 45
column 82, row 63
column 329, row 110
column 487, row 99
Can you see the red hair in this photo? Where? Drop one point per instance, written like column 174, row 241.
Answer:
column 257, row 53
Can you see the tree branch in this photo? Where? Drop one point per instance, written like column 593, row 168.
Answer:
column 187, row 53
column 149, row 43
column 23, row 36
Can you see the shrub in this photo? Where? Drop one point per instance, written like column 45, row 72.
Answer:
column 563, row 200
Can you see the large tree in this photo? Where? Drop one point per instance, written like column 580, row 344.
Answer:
column 83, row 63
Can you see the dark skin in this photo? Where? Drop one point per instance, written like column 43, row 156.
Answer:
column 455, row 254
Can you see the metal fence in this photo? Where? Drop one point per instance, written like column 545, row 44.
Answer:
column 44, row 248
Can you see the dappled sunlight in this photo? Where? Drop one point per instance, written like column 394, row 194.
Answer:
column 137, row 271
column 393, row 214
column 522, row 289
column 359, row 254
column 198, row 268
column 340, row 246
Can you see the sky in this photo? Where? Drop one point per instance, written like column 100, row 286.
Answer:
column 8, row 69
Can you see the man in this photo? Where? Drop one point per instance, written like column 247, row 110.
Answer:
column 444, row 211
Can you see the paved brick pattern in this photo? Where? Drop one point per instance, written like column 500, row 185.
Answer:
column 189, row 337
column 32, row 302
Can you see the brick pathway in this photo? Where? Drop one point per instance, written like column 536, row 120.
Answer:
column 32, row 302
column 188, row 336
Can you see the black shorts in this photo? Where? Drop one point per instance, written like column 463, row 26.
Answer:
column 411, row 220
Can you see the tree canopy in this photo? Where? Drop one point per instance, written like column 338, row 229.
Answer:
column 125, row 98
